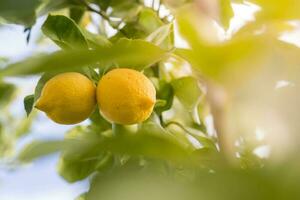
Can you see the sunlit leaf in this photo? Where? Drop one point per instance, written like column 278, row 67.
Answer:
column 136, row 54
column 161, row 36
column 187, row 90
column 228, row 62
column 64, row 32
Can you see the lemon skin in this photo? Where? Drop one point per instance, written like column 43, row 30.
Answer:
column 68, row 98
column 125, row 96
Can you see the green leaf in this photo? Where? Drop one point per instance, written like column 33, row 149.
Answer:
column 81, row 197
column 151, row 141
column 98, row 122
column 76, row 14
column 188, row 91
column 77, row 169
column 165, row 93
column 161, row 36
column 95, row 40
column 77, row 164
column 38, row 149
column 149, row 20
column 127, row 10
column 6, row 93
column 28, row 103
column 19, row 12
column 40, row 85
column 228, row 62
column 24, row 125
column 136, row 54
column 279, row 10
column 146, row 23
column 50, row 5
column 64, row 32
column 103, row 4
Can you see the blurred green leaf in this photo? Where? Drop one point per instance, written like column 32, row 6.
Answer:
column 81, row 197
column 75, row 165
column 73, row 170
column 6, row 93
column 131, row 183
column 226, row 12
column 136, row 54
column 127, row 10
column 162, row 36
column 48, row 6
column 281, row 9
column 151, row 141
column 147, row 22
column 103, row 4
column 38, row 149
column 24, row 125
column 229, row 62
column 188, row 91
column 19, row 12
column 28, row 103
column 64, row 32
column 95, row 40
column 98, row 122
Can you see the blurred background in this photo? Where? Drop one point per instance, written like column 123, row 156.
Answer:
column 38, row 180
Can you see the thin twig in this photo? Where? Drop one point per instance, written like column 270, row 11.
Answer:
column 153, row 4
column 100, row 12
column 159, row 5
column 104, row 16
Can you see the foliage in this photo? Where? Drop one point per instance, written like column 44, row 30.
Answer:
column 176, row 153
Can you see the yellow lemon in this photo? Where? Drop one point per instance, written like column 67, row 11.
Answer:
column 68, row 98
column 125, row 96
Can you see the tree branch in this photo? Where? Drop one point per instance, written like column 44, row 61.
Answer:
column 104, row 16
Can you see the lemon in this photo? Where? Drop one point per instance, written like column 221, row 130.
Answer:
column 68, row 98
column 125, row 96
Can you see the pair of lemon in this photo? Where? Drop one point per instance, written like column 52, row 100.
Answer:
column 124, row 96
